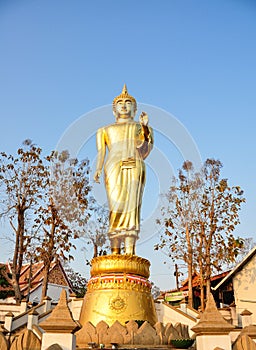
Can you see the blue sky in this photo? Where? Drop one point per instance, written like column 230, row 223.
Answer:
column 194, row 59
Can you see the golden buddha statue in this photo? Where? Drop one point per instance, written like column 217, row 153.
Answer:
column 128, row 143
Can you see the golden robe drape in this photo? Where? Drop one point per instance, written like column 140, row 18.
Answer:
column 128, row 145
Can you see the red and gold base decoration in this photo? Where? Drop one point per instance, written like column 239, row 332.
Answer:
column 118, row 290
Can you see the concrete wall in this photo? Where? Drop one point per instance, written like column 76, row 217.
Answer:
column 14, row 308
column 75, row 306
column 169, row 314
column 244, row 284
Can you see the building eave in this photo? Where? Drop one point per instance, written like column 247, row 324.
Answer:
column 236, row 269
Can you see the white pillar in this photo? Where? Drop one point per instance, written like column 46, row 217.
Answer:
column 60, row 326
column 210, row 342
column 212, row 330
column 8, row 321
column 23, row 306
column 47, row 303
column 246, row 317
column 65, row 340
column 234, row 315
column 32, row 319
column 183, row 307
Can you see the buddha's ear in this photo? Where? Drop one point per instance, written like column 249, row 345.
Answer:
column 114, row 111
column 135, row 109
column 116, row 115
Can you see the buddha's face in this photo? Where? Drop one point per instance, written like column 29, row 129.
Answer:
column 124, row 108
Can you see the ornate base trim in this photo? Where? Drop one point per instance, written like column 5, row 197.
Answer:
column 120, row 263
column 118, row 290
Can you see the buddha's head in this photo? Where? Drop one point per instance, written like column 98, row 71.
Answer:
column 124, row 105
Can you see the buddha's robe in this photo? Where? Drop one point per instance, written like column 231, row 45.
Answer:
column 128, row 144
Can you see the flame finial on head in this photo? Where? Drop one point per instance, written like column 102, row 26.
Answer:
column 124, row 91
column 124, row 94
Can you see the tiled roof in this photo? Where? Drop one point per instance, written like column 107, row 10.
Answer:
column 196, row 279
column 56, row 272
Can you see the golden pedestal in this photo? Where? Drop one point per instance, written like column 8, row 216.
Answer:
column 118, row 290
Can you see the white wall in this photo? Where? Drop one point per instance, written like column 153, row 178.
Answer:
column 75, row 307
column 65, row 340
column 244, row 284
column 53, row 292
column 211, row 342
column 10, row 307
column 168, row 314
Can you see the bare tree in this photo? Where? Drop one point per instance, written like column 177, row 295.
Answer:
column 63, row 210
column 217, row 219
column 95, row 229
column 22, row 180
column 200, row 218
column 179, row 219
column 77, row 281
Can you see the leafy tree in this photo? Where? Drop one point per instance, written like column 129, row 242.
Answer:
column 200, row 218
column 247, row 244
column 217, row 219
column 179, row 219
column 45, row 202
column 22, row 180
column 77, row 281
column 61, row 216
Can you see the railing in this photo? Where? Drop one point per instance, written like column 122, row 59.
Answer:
column 22, row 319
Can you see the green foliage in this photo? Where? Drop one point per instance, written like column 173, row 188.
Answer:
column 4, row 283
column 6, row 294
column 139, row 322
column 182, row 343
